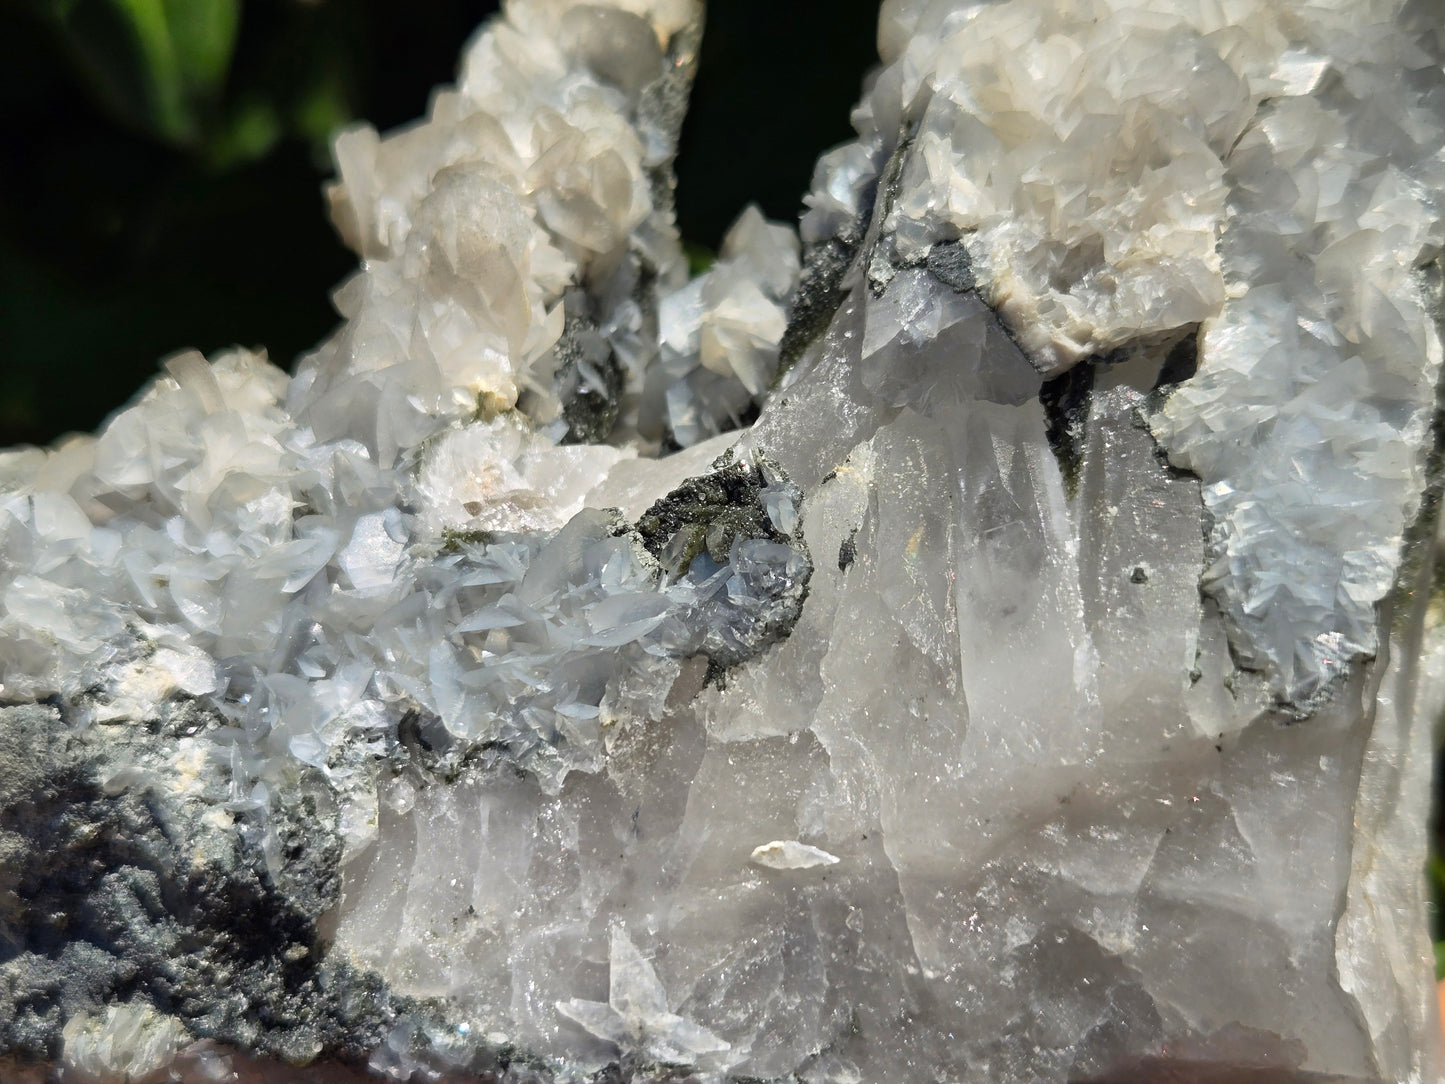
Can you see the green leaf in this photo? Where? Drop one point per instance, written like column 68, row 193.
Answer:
column 322, row 109
column 158, row 63
column 160, row 72
column 253, row 129
column 203, row 37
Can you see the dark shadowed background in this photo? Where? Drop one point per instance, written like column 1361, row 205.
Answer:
column 161, row 164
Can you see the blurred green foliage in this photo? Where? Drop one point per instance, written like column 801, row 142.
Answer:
column 164, row 68
column 160, row 64
column 160, row 174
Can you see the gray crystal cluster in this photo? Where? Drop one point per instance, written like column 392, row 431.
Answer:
column 983, row 635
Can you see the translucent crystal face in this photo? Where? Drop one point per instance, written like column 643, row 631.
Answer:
column 868, row 659
column 1281, row 199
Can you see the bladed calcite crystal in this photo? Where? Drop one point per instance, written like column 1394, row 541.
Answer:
column 984, row 635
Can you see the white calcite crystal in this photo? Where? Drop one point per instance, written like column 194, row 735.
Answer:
column 126, row 1043
column 519, row 250
column 790, row 854
column 635, row 1014
column 981, row 641
column 719, row 334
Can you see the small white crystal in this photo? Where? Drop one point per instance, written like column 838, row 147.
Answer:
column 635, row 1015
column 371, row 557
column 127, row 1043
column 790, row 854
column 720, row 332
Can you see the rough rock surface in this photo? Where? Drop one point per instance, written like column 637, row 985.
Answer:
column 986, row 637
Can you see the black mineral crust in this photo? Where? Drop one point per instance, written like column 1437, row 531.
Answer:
column 117, row 889
column 816, row 298
column 706, row 514
column 822, row 282
column 710, row 515
column 589, row 382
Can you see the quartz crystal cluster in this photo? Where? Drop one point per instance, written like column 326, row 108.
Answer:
column 981, row 636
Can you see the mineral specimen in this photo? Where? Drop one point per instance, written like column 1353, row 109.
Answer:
column 981, row 637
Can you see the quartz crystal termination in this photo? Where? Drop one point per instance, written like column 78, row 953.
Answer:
column 1282, row 200
column 1031, row 691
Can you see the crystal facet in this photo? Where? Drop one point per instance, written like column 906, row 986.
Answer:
column 983, row 635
